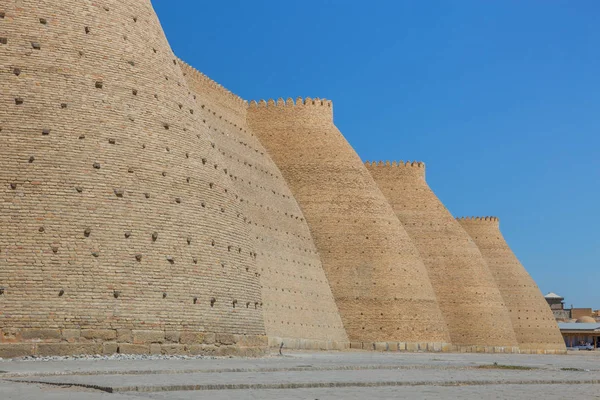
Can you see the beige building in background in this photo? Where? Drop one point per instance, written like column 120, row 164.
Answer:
column 146, row 209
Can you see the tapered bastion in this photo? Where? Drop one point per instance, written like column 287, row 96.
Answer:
column 534, row 324
column 465, row 288
column 114, row 234
column 299, row 309
column 378, row 280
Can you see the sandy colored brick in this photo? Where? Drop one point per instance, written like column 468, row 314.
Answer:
column 144, row 337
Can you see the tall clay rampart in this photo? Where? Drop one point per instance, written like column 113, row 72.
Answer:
column 115, row 233
column 377, row 278
column 465, row 288
column 532, row 319
column 299, row 308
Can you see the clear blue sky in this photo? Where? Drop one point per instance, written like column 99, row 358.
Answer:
column 501, row 99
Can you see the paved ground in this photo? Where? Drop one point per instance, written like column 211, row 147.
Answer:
column 305, row 375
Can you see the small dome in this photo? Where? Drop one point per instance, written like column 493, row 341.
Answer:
column 586, row 320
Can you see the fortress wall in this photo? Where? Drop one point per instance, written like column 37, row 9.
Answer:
column 533, row 321
column 465, row 288
column 378, row 280
column 114, row 234
column 299, row 308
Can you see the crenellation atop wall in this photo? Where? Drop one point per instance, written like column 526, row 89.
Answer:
column 478, row 219
column 302, row 108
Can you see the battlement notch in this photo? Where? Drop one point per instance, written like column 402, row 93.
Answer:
column 478, row 219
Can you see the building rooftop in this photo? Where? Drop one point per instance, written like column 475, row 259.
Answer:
column 578, row 326
column 552, row 295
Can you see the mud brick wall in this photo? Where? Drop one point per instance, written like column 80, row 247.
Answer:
column 534, row 324
column 465, row 288
column 298, row 305
column 377, row 278
column 112, row 216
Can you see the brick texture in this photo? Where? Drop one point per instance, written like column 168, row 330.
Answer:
column 109, row 217
column 465, row 288
column 297, row 299
column 532, row 319
column 377, row 278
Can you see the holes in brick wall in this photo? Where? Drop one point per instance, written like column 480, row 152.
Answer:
column 99, row 84
column 204, row 161
column 61, row 292
column 96, row 254
column 87, row 232
column 212, row 243
column 2, row 14
column 43, row 21
column 17, row 71
column 19, row 101
column 234, row 302
column 147, row 195
column 63, row 105
column 127, row 235
column 130, row 170
column 170, row 259
column 164, row 295
column 96, row 165
column 210, row 185
column 134, row 92
column 3, row 40
column 116, row 294
column 164, row 173
column 79, row 189
column 212, row 301
column 131, row 62
column 87, row 30
column 203, row 204
column 135, row 19
column 154, row 50
column 81, row 136
column 54, row 249
column 36, row 46
column 45, row 131
column 154, row 236
column 31, row 159
column 13, row 186
column 166, row 126
column 195, row 300
column 189, row 240
column 112, row 141
column 177, row 200
column 41, row 229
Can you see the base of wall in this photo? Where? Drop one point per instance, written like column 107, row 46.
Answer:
column 68, row 342
column 307, row 344
column 446, row 348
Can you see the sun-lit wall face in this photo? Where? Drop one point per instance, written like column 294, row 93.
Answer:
column 465, row 288
column 532, row 318
column 116, row 231
column 298, row 306
column 377, row 278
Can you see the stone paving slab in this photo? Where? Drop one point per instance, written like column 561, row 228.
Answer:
column 300, row 379
column 322, row 375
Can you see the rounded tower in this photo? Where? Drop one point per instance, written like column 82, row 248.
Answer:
column 298, row 306
column 532, row 319
column 377, row 278
column 465, row 288
column 116, row 232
